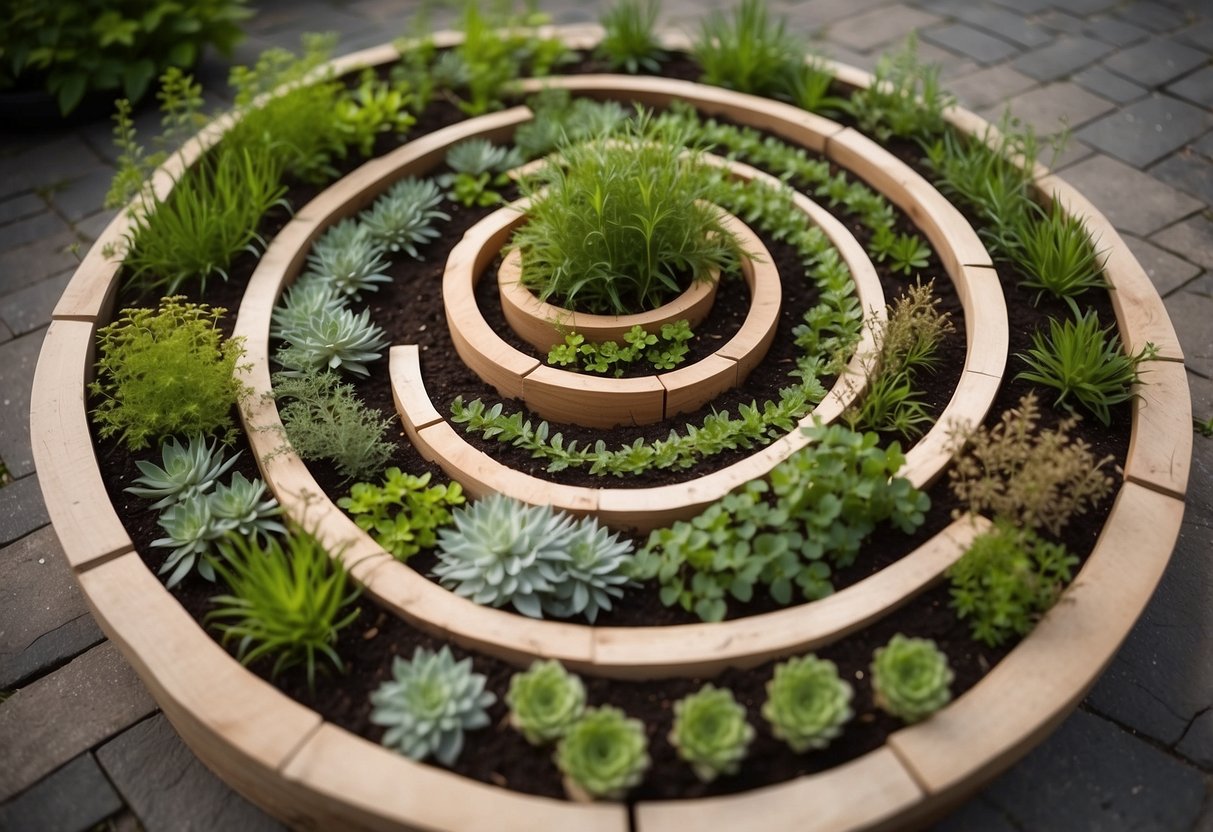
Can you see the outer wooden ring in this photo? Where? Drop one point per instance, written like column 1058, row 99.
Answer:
column 314, row 775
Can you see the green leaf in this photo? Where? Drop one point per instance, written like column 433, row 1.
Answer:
column 71, row 90
column 136, row 77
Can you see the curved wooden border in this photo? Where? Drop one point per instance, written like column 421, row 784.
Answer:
column 586, row 399
column 542, row 325
column 333, row 779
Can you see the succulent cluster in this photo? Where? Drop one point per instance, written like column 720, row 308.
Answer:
column 501, row 551
column 545, row 702
column 604, row 754
column 429, row 702
column 403, row 218
column 807, row 703
column 711, row 732
column 334, row 338
column 347, row 259
column 911, row 678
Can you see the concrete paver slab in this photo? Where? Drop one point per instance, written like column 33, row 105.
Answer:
column 1146, row 131
column 75, row 798
column 1131, row 200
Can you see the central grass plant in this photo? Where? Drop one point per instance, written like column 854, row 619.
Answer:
column 622, row 221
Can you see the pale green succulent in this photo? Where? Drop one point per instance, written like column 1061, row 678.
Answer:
column 429, row 702
column 190, row 528
column 333, row 339
column 349, row 260
column 807, row 703
column 595, row 573
column 604, row 754
column 477, row 156
column 711, row 732
column 911, row 678
column 188, row 470
column 545, row 701
column 309, row 298
column 239, row 507
column 403, row 218
column 501, row 551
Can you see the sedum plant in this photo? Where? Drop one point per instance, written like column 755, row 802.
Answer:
column 404, row 217
column 604, row 754
column 628, row 39
column 428, row 704
column 1085, row 364
column 335, row 339
column 665, row 349
column 1007, row 579
column 166, row 371
column 348, row 260
column 545, row 701
column 188, row 469
column 807, row 703
column 287, row 601
column 372, row 108
column 911, row 678
column 711, row 732
column 404, row 514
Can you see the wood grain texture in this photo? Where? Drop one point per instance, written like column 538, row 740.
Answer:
column 1160, row 446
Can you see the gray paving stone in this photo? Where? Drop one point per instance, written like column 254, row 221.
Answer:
column 1191, row 239
column 880, row 27
column 1188, row 171
column 1070, row 154
column 75, row 798
column 1084, row 7
column 1197, row 743
column 30, row 308
column 1167, row 271
column 977, row 814
column 31, row 229
column 1091, row 775
column 1131, row 200
column 1024, row 6
column 970, row 42
column 1148, row 130
column 20, row 267
column 989, row 86
column 1116, row 32
column 62, row 715
column 1008, row 25
column 6, row 334
column 1199, row 34
column 90, row 227
column 814, row 14
column 1204, row 145
column 17, row 361
column 19, row 207
column 1108, row 84
column 80, row 197
column 1153, row 16
column 1197, row 87
column 1061, row 58
column 1156, row 61
column 169, row 789
column 1191, row 313
column 1062, row 105
column 45, row 163
column 44, row 620
column 21, row 509
column 1064, row 22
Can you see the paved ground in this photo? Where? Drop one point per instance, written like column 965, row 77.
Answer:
column 84, row 746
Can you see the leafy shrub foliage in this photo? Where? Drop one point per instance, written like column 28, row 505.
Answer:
column 324, row 419
column 1032, row 477
column 404, row 514
column 605, row 753
column 545, row 701
column 1006, row 580
column 911, row 678
column 429, row 702
column 711, row 732
column 166, row 371
column 807, row 703
column 288, row 601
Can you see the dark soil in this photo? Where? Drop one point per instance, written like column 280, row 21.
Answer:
column 410, row 311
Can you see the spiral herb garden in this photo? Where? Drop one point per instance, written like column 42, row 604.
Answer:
column 806, row 537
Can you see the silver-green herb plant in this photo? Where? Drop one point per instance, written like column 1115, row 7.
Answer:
column 428, row 704
column 545, row 701
column 807, row 703
column 604, row 754
column 911, row 678
column 710, row 732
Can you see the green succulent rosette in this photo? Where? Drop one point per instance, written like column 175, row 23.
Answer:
column 604, row 754
column 711, row 732
column 545, row 702
column 911, row 678
column 807, row 703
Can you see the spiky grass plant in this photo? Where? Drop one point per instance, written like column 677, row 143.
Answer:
column 561, row 118
column 188, row 469
column 628, row 40
column 747, row 51
column 335, row 338
column 428, row 704
column 1053, row 249
column 617, row 227
column 287, row 601
column 905, row 100
column 1085, row 364
column 807, row 703
column 711, row 732
column 347, row 259
column 604, row 754
column 992, row 173
column 911, row 678
column 545, row 701
column 404, row 217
